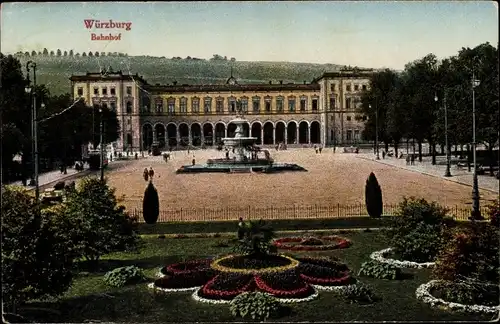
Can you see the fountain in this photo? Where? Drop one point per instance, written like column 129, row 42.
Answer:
column 242, row 155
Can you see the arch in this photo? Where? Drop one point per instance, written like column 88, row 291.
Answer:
column 257, row 131
column 255, row 122
column 231, row 128
column 315, row 129
column 184, row 134
column 292, row 132
column 196, row 134
column 208, row 134
column 220, row 132
column 303, row 132
column 268, row 133
column 246, row 129
column 172, row 134
column 147, row 136
column 280, row 132
column 159, row 134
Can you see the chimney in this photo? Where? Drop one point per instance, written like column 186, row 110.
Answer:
column 281, row 81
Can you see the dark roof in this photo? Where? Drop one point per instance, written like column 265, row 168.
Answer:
column 107, row 76
column 235, row 87
column 355, row 73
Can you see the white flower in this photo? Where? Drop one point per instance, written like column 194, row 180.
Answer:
column 423, row 293
column 152, row 286
column 380, row 257
column 197, row 297
column 160, row 274
column 332, row 288
column 208, row 301
column 297, row 300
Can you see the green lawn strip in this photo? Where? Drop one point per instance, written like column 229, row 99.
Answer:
column 278, row 225
column 90, row 299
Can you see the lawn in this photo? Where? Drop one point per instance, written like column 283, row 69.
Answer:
column 90, row 300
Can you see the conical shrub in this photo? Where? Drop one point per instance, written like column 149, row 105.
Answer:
column 150, row 204
column 373, row 197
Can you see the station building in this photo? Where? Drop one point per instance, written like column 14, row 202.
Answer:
column 319, row 112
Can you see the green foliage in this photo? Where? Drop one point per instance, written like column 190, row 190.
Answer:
column 122, row 276
column 256, row 305
column 358, row 293
column 469, row 293
column 418, row 230
column 150, row 204
column 256, row 239
column 311, row 241
column 373, row 197
column 379, row 270
column 100, row 225
column 494, row 213
column 37, row 252
column 472, row 252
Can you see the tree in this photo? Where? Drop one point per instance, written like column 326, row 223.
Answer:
column 96, row 53
column 52, row 53
column 27, row 53
column 100, row 225
column 58, row 52
column 45, row 52
column 373, row 197
column 33, row 53
column 257, row 236
column 37, row 254
column 39, row 53
column 90, row 53
column 70, row 52
column 84, row 54
column 111, row 124
column 77, row 54
column 150, row 204
column 103, row 53
column 65, row 53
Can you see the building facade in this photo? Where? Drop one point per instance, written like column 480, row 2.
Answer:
column 320, row 112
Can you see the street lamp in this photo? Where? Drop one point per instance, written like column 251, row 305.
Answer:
column 476, row 212
column 447, row 172
column 34, row 132
column 376, row 130
column 101, row 144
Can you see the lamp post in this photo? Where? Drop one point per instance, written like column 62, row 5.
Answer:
column 447, row 172
column 476, row 212
column 376, row 130
column 101, row 145
column 34, row 128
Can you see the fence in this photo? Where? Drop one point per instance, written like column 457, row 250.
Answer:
column 289, row 212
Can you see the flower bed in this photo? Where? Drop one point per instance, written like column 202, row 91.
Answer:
column 186, row 267
column 286, row 284
column 310, row 244
column 380, row 256
column 423, row 293
column 324, row 272
column 226, row 286
column 185, row 280
column 245, row 264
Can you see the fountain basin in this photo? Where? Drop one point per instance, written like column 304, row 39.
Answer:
column 233, row 167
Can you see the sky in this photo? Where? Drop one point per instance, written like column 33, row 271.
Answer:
column 357, row 33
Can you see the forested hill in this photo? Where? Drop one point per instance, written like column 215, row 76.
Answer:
column 54, row 71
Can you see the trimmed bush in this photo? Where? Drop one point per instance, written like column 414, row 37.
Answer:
column 379, row 270
column 150, row 204
column 120, row 277
column 358, row 293
column 373, row 197
column 256, row 305
column 418, row 230
column 60, row 185
column 469, row 293
column 494, row 213
column 472, row 252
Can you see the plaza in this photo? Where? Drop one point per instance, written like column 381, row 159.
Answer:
column 332, row 178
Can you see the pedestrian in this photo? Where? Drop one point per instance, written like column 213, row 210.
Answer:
column 407, row 160
column 412, row 159
column 193, row 161
column 136, row 156
column 227, row 154
column 383, row 154
column 145, row 174
column 320, row 149
column 241, row 229
column 151, row 173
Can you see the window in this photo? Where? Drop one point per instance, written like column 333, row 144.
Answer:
column 356, row 87
column 349, row 135
column 112, row 105
column 232, row 104
column 244, row 104
column 256, row 104
column 159, row 106
column 315, row 104
column 219, row 105
column 129, row 91
column 332, row 103
column 356, row 135
column 146, row 108
column 171, row 106
column 129, row 139
column 303, row 103
column 279, row 103
column 104, row 106
column 129, row 107
column 80, row 91
column 348, row 103
column 291, row 104
column 364, row 118
column 183, row 105
column 208, row 105
column 129, row 122
column 348, row 118
column 348, row 87
column 331, row 134
column 96, row 91
column 332, row 87
column 112, row 91
column 195, row 105
column 104, row 91
column 364, row 87
column 268, row 104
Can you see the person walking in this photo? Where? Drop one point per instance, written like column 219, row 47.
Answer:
column 320, row 149
column 412, row 161
column 241, row 229
column 145, row 174
column 383, row 154
column 151, row 173
column 407, row 160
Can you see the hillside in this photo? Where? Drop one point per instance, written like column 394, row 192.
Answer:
column 55, row 71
